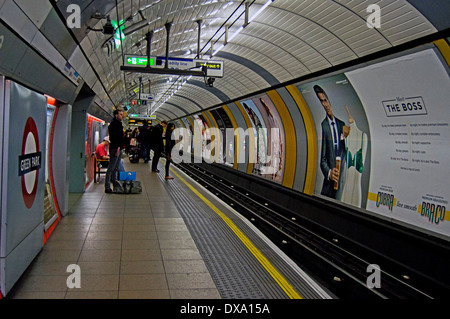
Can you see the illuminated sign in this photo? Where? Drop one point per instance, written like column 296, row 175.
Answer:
column 214, row 68
column 138, row 60
column 143, row 117
column 146, row 96
column 119, row 36
column 211, row 65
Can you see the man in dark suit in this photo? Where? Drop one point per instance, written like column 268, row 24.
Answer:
column 334, row 132
column 145, row 139
column 115, row 149
column 157, row 144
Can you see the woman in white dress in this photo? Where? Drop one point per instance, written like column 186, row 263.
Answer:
column 355, row 156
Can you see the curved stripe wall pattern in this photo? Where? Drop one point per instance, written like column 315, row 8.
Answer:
column 299, row 131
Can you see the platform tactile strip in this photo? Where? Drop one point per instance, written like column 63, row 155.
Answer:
column 235, row 271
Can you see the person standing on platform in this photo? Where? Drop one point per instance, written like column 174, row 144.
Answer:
column 145, row 138
column 115, row 149
column 168, row 149
column 157, row 144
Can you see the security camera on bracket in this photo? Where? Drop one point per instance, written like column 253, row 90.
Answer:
column 209, row 81
column 108, row 28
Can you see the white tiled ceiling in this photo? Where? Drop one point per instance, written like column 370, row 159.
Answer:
column 289, row 39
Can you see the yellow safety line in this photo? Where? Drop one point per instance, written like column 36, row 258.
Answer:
column 282, row 282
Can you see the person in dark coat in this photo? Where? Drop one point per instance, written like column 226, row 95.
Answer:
column 157, row 144
column 115, row 149
column 168, row 149
column 126, row 140
column 145, row 139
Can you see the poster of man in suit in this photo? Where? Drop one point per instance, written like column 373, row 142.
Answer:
column 332, row 151
column 336, row 109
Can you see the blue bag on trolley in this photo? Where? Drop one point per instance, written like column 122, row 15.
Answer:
column 127, row 176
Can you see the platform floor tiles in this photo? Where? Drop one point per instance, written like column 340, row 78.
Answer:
column 127, row 246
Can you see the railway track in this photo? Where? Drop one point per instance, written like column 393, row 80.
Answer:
column 343, row 267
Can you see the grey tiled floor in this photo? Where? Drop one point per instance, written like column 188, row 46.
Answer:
column 127, row 246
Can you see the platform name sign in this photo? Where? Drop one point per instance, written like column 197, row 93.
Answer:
column 30, row 162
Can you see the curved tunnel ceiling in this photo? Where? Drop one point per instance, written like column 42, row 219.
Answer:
column 288, row 40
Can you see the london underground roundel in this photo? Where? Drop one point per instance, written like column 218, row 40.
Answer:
column 30, row 163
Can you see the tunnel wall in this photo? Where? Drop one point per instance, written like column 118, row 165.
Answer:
column 393, row 161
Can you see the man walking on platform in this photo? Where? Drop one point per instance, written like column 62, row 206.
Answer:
column 157, row 144
column 115, row 149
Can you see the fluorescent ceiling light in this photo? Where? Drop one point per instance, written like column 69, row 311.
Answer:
column 260, row 10
column 242, row 27
column 236, row 33
column 222, row 45
column 218, row 49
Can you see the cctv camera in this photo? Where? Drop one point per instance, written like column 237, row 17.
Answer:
column 108, row 29
column 211, row 82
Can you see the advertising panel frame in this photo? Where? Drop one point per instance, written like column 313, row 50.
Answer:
column 261, row 107
column 370, row 195
column 23, row 181
column 411, row 120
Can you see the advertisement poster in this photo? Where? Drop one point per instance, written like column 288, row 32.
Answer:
column 407, row 104
column 343, row 140
column 270, row 140
column 203, row 138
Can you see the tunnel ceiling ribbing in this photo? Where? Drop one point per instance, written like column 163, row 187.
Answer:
column 289, row 39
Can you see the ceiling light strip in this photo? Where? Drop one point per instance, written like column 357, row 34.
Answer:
column 242, row 27
column 239, row 30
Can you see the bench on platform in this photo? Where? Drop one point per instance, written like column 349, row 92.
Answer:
column 100, row 167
